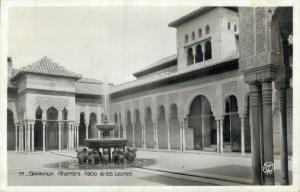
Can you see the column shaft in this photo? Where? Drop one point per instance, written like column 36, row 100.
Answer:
column 268, row 130
column 221, row 136
column 168, row 129
column 243, row 135
column 86, row 131
column 32, row 137
column 155, row 135
column 218, row 136
column 78, row 136
column 284, row 145
column 28, row 136
column 254, row 109
column 16, row 137
column 133, row 133
column 44, row 136
column 59, row 135
column 182, row 135
column 143, row 135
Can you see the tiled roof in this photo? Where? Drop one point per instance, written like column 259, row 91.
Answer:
column 88, row 86
column 47, row 66
column 158, row 78
column 193, row 15
column 162, row 63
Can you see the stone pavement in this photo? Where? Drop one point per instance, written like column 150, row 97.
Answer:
column 227, row 167
column 204, row 168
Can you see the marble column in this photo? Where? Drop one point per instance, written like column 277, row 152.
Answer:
column 119, row 130
column 168, row 129
column 25, row 136
column 32, row 136
column 59, row 134
column 77, row 136
column 283, row 129
column 69, row 135
column 133, row 134
column 221, row 136
column 28, row 136
column 243, row 135
column 218, row 135
column 182, row 135
column 87, row 131
column 44, row 135
column 155, row 135
column 268, row 130
column 72, row 136
column 20, row 136
column 143, row 135
column 16, row 136
column 254, row 110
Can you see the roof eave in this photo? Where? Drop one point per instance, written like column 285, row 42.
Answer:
column 154, row 68
column 19, row 73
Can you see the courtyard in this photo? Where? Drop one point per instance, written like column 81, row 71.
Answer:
column 54, row 168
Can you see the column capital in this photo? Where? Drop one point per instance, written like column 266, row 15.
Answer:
column 266, row 73
column 30, row 121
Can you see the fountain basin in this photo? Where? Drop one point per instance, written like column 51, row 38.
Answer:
column 105, row 142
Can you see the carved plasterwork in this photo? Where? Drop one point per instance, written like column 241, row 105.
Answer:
column 258, row 42
column 229, row 88
column 46, row 102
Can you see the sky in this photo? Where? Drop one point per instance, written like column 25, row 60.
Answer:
column 105, row 43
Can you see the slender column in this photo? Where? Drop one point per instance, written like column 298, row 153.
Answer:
column 268, row 130
column 72, row 136
column 20, row 136
column 182, row 135
column 155, row 135
column 254, row 110
column 221, row 136
column 243, row 135
column 69, row 136
column 119, row 130
column 133, row 133
column 44, row 135
column 59, row 135
column 124, row 130
column 32, row 137
column 168, row 129
column 78, row 135
column 75, row 135
column 86, row 131
column 218, row 136
column 284, row 145
column 16, row 136
column 25, row 136
column 194, row 55
column 28, row 136
column 143, row 135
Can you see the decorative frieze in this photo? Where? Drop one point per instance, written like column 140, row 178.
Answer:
column 46, row 102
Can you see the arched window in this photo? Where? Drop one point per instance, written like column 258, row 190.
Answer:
column 228, row 26
column 199, row 32
column 199, row 54
column 207, row 50
column 186, row 38
column 235, row 28
column 190, row 59
column 193, row 35
column 207, row 29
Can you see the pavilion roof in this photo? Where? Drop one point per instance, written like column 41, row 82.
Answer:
column 46, row 66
